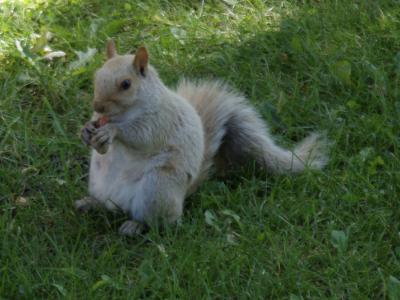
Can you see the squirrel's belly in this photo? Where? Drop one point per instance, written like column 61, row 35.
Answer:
column 114, row 176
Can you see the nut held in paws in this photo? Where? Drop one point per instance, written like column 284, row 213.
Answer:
column 101, row 122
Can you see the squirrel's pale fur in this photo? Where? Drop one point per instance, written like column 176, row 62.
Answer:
column 160, row 144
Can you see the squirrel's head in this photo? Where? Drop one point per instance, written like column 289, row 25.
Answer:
column 117, row 81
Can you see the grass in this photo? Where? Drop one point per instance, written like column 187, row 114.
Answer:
column 305, row 65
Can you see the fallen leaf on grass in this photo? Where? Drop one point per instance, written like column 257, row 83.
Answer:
column 54, row 54
column 39, row 41
column 22, row 201
column 83, row 58
column 24, row 52
column 232, row 238
column 211, row 220
column 339, row 240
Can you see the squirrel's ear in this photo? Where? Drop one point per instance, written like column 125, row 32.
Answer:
column 110, row 49
column 140, row 61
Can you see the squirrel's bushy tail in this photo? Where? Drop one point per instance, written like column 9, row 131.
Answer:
column 235, row 132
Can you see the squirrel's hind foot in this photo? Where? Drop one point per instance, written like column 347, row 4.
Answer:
column 131, row 228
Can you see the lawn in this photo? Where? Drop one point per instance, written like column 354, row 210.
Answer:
column 307, row 66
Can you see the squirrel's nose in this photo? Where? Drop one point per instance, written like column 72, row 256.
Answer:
column 99, row 107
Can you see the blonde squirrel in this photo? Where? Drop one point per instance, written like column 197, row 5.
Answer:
column 152, row 146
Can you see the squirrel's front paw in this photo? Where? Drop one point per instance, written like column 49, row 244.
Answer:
column 87, row 132
column 102, row 138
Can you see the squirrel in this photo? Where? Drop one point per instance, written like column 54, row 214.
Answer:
column 152, row 146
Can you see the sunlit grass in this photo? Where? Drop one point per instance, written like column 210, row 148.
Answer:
column 306, row 66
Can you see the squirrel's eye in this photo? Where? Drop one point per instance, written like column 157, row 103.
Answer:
column 125, row 84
